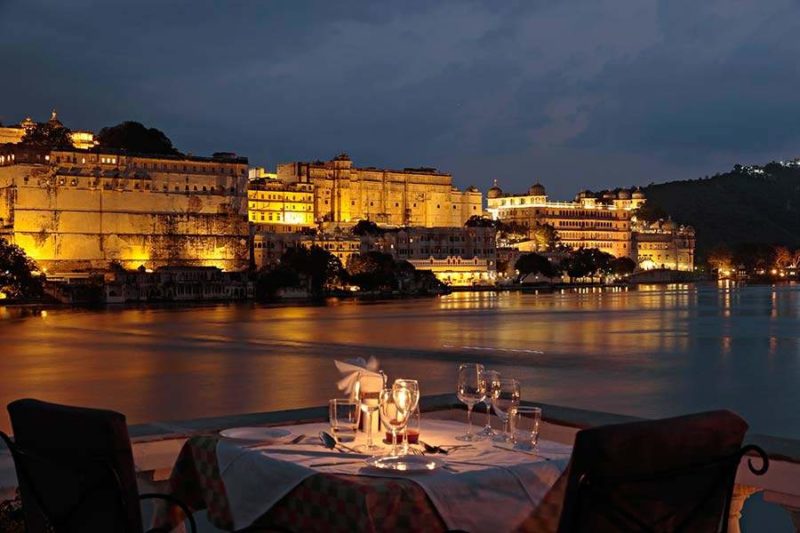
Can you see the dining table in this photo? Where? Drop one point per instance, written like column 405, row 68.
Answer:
column 290, row 481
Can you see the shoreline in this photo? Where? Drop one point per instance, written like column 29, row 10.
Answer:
column 544, row 288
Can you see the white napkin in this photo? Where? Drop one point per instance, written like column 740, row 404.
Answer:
column 353, row 368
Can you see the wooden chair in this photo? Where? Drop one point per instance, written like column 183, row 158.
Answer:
column 75, row 470
column 670, row 475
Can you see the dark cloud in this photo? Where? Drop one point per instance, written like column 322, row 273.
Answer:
column 583, row 93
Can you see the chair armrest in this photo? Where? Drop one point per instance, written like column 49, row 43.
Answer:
column 174, row 501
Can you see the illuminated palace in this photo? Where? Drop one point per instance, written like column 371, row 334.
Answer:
column 604, row 220
column 273, row 206
column 83, row 209
column 14, row 134
column 344, row 194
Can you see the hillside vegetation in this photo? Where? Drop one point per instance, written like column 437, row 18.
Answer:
column 752, row 204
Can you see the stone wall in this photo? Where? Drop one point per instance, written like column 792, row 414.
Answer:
column 66, row 219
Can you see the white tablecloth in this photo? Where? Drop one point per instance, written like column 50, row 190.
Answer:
column 485, row 488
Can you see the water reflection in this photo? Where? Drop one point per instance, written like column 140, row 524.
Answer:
column 659, row 350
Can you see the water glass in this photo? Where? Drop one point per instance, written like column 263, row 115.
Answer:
column 344, row 415
column 406, row 396
column 393, row 415
column 368, row 392
column 505, row 400
column 525, row 422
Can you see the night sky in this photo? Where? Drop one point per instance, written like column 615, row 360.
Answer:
column 577, row 94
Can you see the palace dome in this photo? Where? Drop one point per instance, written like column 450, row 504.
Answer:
column 638, row 195
column 494, row 191
column 537, row 189
column 624, row 194
column 54, row 119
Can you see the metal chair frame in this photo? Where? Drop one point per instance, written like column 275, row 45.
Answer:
column 597, row 487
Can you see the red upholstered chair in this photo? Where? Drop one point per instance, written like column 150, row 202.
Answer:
column 670, row 475
column 75, row 469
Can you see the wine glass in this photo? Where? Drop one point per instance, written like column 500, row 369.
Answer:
column 492, row 379
column 471, row 390
column 393, row 415
column 406, row 396
column 369, row 388
column 507, row 399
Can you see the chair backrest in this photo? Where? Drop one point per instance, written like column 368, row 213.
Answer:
column 74, row 468
column 674, row 474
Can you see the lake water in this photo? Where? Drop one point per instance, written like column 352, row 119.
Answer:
column 655, row 351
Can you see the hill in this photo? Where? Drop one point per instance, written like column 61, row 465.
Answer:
column 749, row 204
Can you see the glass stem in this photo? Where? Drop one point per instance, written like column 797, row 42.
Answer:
column 469, row 420
column 394, row 441
column 369, row 429
column 505, row 427
column 489, row 415
column 405, row 441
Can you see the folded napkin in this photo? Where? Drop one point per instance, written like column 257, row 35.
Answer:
column 353, row 369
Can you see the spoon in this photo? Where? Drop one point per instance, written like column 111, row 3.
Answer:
column 329, row 441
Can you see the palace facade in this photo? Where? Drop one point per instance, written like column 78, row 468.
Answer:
column 84, row 209
column 83, row 140
column 278, row 207
column 344, row 194
column 604, row 220
column 457, row 256
column 664, row 244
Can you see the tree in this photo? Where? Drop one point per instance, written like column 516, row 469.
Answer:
column 320, row 268
column 650, row 212
column 49, row 135
column 544, row 236
column 366, row 227
column 535, row 264
column 622, row 266
column 270, row 281
column 720, row 258
column 783, row 257
column 17, row 278
column 479, row 221
column 135, row 137
column 373, row 271
column 575, row 267
column 587, row 262
column 512, row 231
column 753, row 256
column 600, row 261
